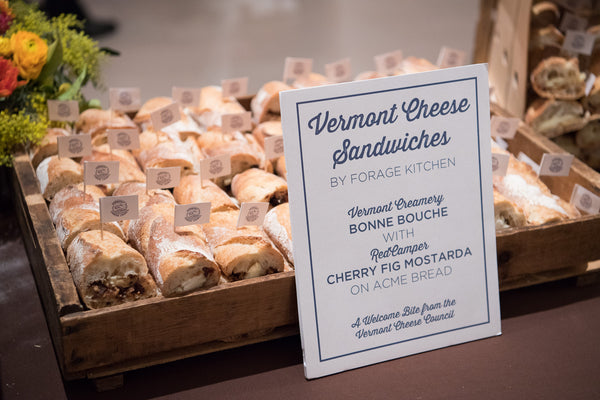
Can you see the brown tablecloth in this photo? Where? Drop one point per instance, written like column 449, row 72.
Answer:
column 549, row 349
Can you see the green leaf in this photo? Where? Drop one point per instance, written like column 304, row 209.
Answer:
column 55, row 58
column 109, row 51
column 75, row 87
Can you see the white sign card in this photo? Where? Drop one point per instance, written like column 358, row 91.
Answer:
column 274, row 147
column 500, row 164
column 125, row 99
column 503, row 127
column 579, row 42
column 236, row 122
column 118, row 208
column 585, row 200
column 165, row 116
column 186, row 97
column 393, row 219
column 163, row 178
column 572, row 22
column 215, row 167
column 63, row 111
column 235, row 87
column 192, row 214
column 74, row 146
column 252, row 213
column 100, row 172
column 556, row 164
column 387, row 63
column 297, row 68
column 123, row 139
column 449, row 57
column 339, row 71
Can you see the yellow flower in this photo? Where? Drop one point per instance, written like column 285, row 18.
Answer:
column 29, row 53
column 5, row 47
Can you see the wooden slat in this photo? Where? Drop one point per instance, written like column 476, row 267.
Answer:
column 185, row 352
column 98, row 338
column 45, row 253
column 531, row 250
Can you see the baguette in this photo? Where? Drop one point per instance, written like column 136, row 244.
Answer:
column 48, row 146
column 256, row 185
column 278, row 228
column 241, row 253
column 107, row 272
column 192, row 190
column 82, row 218
column 55, row 173
column 180, row 264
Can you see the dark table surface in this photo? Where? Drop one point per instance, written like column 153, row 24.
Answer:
column 549, row 349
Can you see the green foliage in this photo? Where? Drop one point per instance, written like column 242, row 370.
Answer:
column 18, row 130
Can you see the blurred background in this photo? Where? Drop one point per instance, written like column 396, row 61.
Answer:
column 195, row 43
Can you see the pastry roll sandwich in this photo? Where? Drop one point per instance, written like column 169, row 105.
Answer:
column 507, row 214
column 213, row 106
column 48, row 146
column 411, row 65
column 179, row 263
column 95, row 122
column 265, row 105
column 107, row 272
column 256, row 185
column 145, row 197
column 129, row 171
column 192, row 190
column 281, row 168
column 243, row 252
column 55, row 173
column 522, row 186
column 73, row 196
column 313, row 79
column 544, row 13
column 278, row 228
column 265, row 130
column 169, row 153
column 142, row 117
column 72, row 221
column 369, row 75
column 558, row 78
column 552, row 118
column 242, row 153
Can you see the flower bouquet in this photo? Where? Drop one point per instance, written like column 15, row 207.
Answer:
column 41, row 58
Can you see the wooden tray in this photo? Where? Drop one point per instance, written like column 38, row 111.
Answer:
column 99, row 343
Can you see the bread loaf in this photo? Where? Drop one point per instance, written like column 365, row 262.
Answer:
column 256, row 185
column 48, row 146
column 241, row 253
column 192, row 190
column 106, row 271
column 180, row 264
column 278, row 228
column 82, row 218
column 55, row 173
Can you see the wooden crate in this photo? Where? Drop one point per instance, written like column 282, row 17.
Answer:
column 99, row 343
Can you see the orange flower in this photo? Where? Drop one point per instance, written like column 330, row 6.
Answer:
column 29, row 53
column 8, row 78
